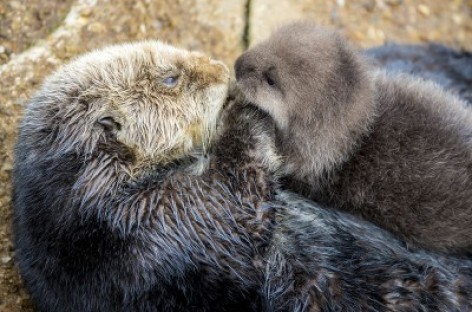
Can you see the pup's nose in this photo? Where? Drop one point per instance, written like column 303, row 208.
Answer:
column 243, row 67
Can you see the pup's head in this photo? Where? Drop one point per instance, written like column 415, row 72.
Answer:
column 302, row 67
column 155, row 101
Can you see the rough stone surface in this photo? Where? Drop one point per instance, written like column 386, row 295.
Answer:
column 22, row 23
column 36, row 36
column 372, row 22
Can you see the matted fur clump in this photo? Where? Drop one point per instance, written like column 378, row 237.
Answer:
column 128, row 196
column 394, row 149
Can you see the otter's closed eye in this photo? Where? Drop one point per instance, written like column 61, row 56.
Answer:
column 170, row 81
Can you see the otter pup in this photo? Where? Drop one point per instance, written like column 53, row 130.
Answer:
column 133, row 192
column 395, row 150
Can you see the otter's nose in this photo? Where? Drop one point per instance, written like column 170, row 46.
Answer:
column 220, row 65
column 207, row 71
column 243, row 66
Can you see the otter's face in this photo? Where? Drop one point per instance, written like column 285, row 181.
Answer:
column 157, row 101
column 291, row 75
column 259, row 73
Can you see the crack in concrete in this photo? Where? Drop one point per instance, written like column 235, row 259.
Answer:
column 246, row 31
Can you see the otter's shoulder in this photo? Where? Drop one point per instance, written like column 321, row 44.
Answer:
column 401, row 91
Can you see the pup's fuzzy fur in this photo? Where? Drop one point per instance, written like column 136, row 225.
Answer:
column 394, row 149
column 120, row 204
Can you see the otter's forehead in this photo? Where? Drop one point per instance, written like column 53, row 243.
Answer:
column 303, row 40
column 298, row 49
column 126, row 65
column 135, row 56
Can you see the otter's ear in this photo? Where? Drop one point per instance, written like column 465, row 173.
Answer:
column 109, row 123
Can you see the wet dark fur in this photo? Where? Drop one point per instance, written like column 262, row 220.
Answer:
column 450, row 68
column 90, row 237
column 393, row 149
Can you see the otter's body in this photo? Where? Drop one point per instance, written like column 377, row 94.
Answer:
column 109, row 214
column 394, row 149
column 104, row 222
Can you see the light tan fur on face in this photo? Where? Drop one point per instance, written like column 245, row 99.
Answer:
column 125, row 83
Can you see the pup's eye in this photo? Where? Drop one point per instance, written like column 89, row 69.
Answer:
column 270, row 81
column 170, row 81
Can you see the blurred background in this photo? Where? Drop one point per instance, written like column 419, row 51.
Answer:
column 36, row 36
